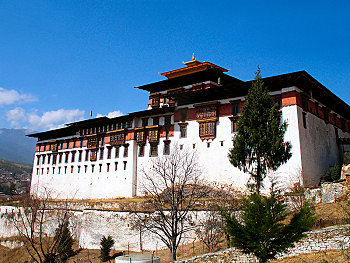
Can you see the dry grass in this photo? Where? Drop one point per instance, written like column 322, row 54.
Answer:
column 330, row 256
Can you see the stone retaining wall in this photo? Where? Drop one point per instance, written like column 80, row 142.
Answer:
column 330, row 238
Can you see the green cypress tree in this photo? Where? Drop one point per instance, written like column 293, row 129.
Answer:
column 260, row 229
column 106, row 246
column 65, row 241
column 259, row 146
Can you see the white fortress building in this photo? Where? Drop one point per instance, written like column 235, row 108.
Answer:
column 197, row 107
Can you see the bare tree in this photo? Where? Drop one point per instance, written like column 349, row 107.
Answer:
column 172, row 184
column 42, row 229
column 138, row 223
column 210, row 229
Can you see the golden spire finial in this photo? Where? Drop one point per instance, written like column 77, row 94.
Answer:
column 193, row 57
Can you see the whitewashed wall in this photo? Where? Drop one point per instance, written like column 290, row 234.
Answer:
column 314, row 150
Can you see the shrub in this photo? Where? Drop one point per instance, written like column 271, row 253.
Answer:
column 106, row 246
column 261, row 228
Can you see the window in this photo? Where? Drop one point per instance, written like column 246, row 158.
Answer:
column 80, row 155
column 155, row 100
column 42, row 170
column 43, row 162
column 316, row 108
column 140, row 136
column 181, row 146
column 304, row 119
column 48, row 158
column 117, row 152
column 86, row 155
column 109, row 152
column 78, row 168
column 145, row 122
column 183, row 115
column 183, row 130
column 37, row 159
column 74, row 143
column 117, row 138
column 48, row 169
column 54, row 158
column 326, row 115
column 154, row 150
column 234, row 125
column 153, row 135
column 126, row 147
column 141, row 150
column 59, row 170
column 166, row 147
column 194, row 146
column 207, row 130
column 92, row 142
column 37, row 171
column 101, row 153
column 222, row 143
column 85, row 168
column 167, row 120
column 100, row 167
column 102, row 141
column 125, row 165
column 116, row 166
column 305, row 103
column 67, row 144
column 156, row 121
column 73, row 157
column 92, row 168
column 65, row 169
column 277, row 100
column 206, row 112
column 235, row 108
column 108, row 167
column 53, row 170
column 129, row 124
column 93, row 155
column 208, row 144
column 60, row 158
column 71, row 169
column 66, row 158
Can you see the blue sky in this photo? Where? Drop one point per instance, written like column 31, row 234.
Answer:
column 61, row 59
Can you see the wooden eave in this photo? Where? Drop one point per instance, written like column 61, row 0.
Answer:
column 152, row 112
column 53, row 134
column 201, row 66
column 198, row 77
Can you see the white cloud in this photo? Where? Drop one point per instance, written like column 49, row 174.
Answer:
column 111, row 114
column 16, row 117
column 49, row 120
column 8, row 97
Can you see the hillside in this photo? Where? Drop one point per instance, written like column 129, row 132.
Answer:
column 14, row 174
column 16, row 147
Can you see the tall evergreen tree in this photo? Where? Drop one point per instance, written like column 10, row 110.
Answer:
column 259, row 146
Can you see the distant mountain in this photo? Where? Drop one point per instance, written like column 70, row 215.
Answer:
column 16, row 147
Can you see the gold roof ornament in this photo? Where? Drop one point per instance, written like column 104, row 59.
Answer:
column 193, row 62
